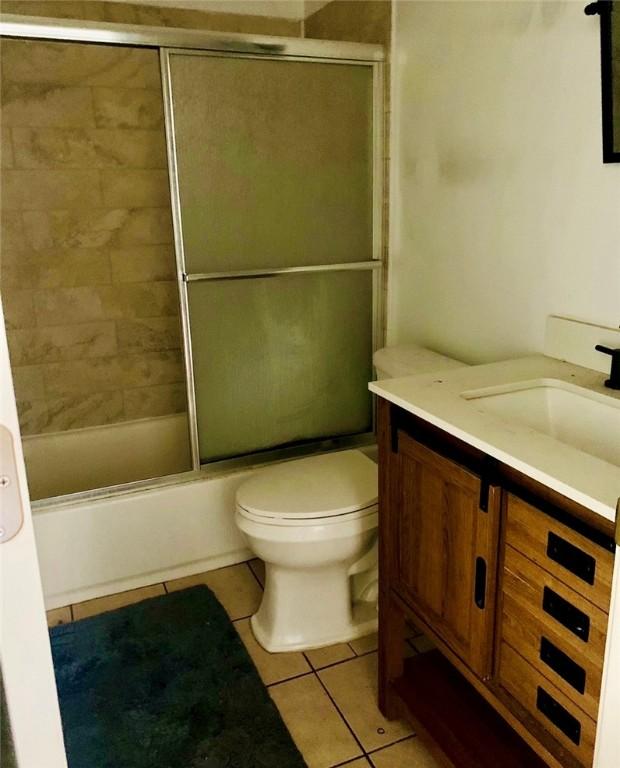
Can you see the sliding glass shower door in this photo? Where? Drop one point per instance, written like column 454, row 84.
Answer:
column 273, row 164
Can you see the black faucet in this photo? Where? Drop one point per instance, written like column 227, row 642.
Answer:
column 613, row 382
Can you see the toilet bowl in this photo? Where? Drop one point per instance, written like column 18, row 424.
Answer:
column 314, row 521
column 311, row 521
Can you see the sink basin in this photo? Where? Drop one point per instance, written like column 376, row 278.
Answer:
column 573, row 415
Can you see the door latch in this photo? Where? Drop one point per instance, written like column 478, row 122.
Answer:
column 11, row 510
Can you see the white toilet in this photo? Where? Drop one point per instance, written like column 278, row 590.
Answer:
column 314, row 523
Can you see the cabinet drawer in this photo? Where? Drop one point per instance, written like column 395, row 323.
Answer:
column 566, row 554
column 580, row 626
column 558, row 715
column 547, row 649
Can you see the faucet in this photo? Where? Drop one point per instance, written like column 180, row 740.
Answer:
column 613, row 382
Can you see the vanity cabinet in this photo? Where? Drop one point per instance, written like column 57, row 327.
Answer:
column 446, row 546
column 511, row 581
column 553, row 614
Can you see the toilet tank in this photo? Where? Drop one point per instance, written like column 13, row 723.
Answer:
column 410, row 360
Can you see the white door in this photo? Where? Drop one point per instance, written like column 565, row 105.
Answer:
column 25, row 657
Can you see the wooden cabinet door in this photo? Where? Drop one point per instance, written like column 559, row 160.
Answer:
column 446, row 548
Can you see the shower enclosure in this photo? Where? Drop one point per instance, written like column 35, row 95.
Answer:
column 261, row 160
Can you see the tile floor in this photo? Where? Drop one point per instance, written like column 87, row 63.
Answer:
column 326, row 697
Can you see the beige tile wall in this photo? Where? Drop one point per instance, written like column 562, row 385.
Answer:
column 135, row 13
column 357, row 21
column 87, row 261
column 86, row 254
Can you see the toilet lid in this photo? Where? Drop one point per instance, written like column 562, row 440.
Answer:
column 319, row 486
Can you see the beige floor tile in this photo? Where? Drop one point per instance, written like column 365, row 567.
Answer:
column 331, row 654
column 59, row 616
column 422, row 644
column 119, row 600
column 405, row 754
column 258, row 569
column 365, row 644
column 370, row 643
column 314, row 723
column 272, row 667
column 353, row 686
column 361, row 762
column 235, row 587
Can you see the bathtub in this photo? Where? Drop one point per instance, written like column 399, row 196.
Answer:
column 123, row 538
column 99, row 546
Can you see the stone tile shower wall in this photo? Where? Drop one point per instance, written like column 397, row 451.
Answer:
column 87, row 261
column 151, row 15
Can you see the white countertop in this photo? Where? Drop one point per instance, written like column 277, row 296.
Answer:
column 436, row 398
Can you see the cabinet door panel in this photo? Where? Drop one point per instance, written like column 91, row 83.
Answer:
column 442, row 532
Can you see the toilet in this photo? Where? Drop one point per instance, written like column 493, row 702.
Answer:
column 313, row 521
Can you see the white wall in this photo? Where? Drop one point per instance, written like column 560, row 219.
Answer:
column 504, row 212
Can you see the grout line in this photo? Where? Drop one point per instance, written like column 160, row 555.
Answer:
column 165, row 586
column 342, row 717
column 391, row 744
column 366, row 653
column 288, row 679
column 239, row 618
column 247, row 562
column 349, row 762
column 366, row 753
column 334, row 663
column 71, row 613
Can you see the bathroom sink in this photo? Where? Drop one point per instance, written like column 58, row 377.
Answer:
column 583, row 419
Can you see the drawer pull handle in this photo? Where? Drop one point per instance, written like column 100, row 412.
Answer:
column 560, row 717
column 563, row 665
column 480, row 586
column 575, row 560
column 570, row 617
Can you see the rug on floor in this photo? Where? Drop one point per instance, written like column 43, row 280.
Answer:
column 165, row 683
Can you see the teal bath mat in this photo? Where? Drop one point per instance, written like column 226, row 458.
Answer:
column 166, row 683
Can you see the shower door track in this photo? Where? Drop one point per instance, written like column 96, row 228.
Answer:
column 201, row 42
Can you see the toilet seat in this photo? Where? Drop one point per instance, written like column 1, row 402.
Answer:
column 315, row 490
column 366, row 518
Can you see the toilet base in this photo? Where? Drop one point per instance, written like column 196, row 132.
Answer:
column 364, row 622
column 309, row 609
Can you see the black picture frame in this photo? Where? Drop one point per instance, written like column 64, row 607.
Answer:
column 609, row 13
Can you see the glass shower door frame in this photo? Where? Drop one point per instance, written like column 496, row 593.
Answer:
column 184, row 278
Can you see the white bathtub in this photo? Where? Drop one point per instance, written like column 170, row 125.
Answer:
column 98, row 457
column 100, row 546
column 133, row 537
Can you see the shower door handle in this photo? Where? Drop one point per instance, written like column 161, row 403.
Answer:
column 11, row 510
